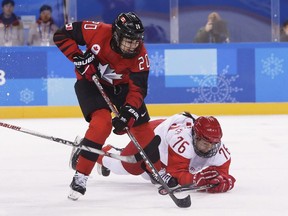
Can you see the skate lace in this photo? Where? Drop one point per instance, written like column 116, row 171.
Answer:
column 166, row 178
column 164, row 175
column 81, row 179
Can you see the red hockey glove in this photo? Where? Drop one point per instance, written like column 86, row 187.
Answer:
column 203, row 177
column 127, row 116
column 225, row 183
column 86, row 64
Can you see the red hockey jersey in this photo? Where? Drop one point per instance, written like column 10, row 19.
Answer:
column 114, row 69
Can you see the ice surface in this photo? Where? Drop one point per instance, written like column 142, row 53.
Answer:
column 35, row 177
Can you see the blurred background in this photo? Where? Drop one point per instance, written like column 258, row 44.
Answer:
column 174, row 21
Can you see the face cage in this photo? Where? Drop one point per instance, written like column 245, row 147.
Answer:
column 208, row 154
column 116, row 42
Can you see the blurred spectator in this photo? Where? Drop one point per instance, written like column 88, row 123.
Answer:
column 215, row 30
column 41, row 33
column 155, row 34
column 284, row 32
column 11, row 27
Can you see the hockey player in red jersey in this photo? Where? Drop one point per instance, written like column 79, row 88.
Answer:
column 115, row 53
column 191, row 152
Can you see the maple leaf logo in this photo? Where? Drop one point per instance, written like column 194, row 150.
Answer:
column 108, row 74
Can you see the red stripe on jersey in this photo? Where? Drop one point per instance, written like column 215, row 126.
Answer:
column 178, row 167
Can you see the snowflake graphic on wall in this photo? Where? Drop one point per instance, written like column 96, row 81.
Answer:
column 55, row 86
column 26, row 95
column 272, row 66
column 2, row 77
column 215, row 88
column 157, row 64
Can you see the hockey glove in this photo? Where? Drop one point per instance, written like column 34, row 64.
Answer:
column 225, row 183
column 127, row 116
column 202, row 178
column 86, row 64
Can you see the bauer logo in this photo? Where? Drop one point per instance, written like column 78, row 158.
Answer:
column 10, row 126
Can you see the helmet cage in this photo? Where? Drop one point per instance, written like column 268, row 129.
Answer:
column 208, row 129
column 208, row 154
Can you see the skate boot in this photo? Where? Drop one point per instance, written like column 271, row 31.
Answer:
column 166, row 177
column 102, row 170
column 78, row 186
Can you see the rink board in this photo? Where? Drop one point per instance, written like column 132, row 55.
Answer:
column 154, row 109
column 216, row 79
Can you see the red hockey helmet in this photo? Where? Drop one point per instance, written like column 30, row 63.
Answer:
column 208, row 128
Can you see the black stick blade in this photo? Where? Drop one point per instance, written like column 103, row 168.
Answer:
column 182, row 203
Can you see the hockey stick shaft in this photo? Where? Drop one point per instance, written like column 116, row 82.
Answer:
column 188, row 187
column 65, row 11
column 185, row 202
column 194, row 188
column 128, row 159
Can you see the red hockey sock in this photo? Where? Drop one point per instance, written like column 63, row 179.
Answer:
column 84, row 165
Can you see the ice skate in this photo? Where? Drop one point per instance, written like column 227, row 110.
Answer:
column 167, row 178
column 102, row 170
column 78, row 186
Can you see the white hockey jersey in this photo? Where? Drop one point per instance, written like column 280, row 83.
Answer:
column 177, row 152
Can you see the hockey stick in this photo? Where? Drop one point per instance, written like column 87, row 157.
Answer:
column 65, row 12
column 184, row 202
column 188, row 187
column 128, row 158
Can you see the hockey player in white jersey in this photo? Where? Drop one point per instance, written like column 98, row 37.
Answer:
column 190, row 152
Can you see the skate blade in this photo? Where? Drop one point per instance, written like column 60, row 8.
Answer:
column 74, row 195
